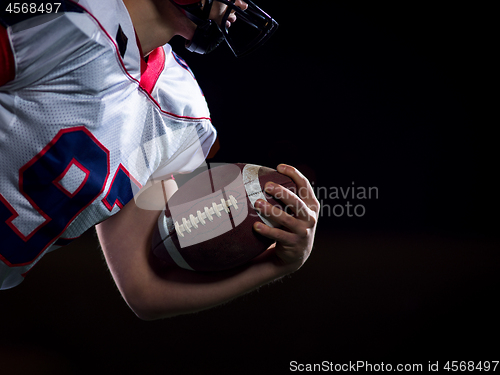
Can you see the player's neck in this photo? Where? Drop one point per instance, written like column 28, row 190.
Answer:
column 156, row 22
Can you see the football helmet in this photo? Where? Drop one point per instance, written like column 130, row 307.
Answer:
column 252, row 28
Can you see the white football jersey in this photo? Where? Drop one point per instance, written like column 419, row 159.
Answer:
column 84, row 122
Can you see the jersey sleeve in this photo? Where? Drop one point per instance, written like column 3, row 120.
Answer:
column 32, row 47
column 192, row 154
column 9, row 278
column 186, row 114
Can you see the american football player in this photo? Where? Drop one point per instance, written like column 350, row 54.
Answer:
column 93, row 102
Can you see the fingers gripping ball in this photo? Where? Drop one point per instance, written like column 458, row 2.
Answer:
column 208, row 223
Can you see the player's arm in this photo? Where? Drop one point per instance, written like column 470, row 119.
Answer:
column 155, row 293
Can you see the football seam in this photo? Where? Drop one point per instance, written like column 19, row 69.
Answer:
column 208, row 213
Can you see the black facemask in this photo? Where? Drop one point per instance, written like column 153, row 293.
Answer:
column 251, row 29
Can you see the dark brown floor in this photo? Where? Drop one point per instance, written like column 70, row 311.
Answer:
column 376, row 297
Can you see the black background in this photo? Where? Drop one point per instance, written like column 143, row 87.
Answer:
column 398, row 98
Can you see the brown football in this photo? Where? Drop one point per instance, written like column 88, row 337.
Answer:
column 208, row 223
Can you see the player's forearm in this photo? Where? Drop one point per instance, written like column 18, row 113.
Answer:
column 174, row 291
column 152, row 293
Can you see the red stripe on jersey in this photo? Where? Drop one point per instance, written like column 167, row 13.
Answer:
column 156, row 63
column 7, row 65
column 142, row 62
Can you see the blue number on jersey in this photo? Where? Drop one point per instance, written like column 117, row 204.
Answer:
column 40, row 184
column 120, row 191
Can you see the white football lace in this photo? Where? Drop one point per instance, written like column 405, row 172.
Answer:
column 187, row 225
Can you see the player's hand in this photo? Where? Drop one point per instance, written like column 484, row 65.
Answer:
column 294, row 240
